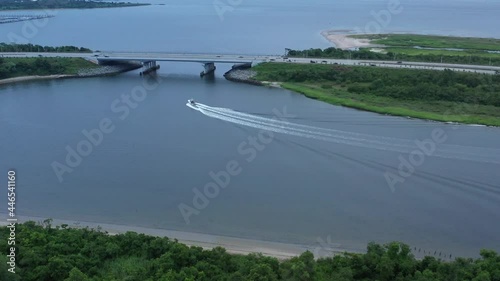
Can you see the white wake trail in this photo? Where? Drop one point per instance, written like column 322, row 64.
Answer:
column 293, row 127
column 403, row 143
column 290, row 132
column 284, row 130
column 286, row 123
column 487, row 155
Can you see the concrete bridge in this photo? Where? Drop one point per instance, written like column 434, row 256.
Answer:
column 208, row 61
column 149, row 60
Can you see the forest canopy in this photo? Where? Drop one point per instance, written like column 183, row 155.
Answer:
column 47, row 253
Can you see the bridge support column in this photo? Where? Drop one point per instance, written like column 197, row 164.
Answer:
column 209, row 68
column 148, row 67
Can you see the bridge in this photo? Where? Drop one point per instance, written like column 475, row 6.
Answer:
column 149, row 60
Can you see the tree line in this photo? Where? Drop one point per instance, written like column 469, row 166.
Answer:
column 366, row 54
column 403, row 84
column 61, row 4
column 27, row 67
column 26, row 48
column 47, row 253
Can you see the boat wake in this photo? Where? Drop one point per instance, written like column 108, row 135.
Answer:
column 478, row 154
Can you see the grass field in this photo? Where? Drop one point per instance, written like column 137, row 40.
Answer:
column 416, row 48
column 432, row 41
column 17, row 67
column 440, row 111
column 335, row 92
column 444, row 46
column 416, row 52
column 73, row 65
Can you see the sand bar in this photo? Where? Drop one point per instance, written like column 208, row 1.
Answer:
column 342, row 40
column 207, row 241
column 31, row 78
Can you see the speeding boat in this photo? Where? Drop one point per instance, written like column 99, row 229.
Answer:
column 191, row 102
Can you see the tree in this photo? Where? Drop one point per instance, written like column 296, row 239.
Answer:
column 300, row 268
column 76, row 275
column 86, row 254
column 262, row 272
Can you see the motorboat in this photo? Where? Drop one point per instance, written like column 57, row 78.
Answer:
column 191, row 102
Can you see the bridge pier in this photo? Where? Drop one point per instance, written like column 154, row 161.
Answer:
column 149, row 66
column 209, row 68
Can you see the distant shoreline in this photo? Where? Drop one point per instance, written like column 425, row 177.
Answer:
column 98, row 72
column 342, row 40
column 414, row 42
column 34, row 78
column 250, row 76
column 207, row 241
column 40, row 5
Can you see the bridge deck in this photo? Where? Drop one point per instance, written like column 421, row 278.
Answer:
column 236, row 59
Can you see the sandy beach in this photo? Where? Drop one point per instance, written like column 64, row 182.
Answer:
column 31, row 78
column 231, row 244
column 342, row 40
column 82, row 73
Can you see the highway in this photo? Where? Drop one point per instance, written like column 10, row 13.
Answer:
column 224, row 58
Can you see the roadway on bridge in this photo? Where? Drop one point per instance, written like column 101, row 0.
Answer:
column 234, row 59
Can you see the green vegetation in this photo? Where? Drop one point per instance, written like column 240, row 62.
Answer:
column 62, row 253
column 404, row 54
column 11, row 48
column 16, row 67
column 434, row 95
column 61, row 4
column 466, row 54
column 432, row 41
column 407, row 47
column 425, row 48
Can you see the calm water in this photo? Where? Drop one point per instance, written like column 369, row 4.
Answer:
column 297, row 188
column 258, row 26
